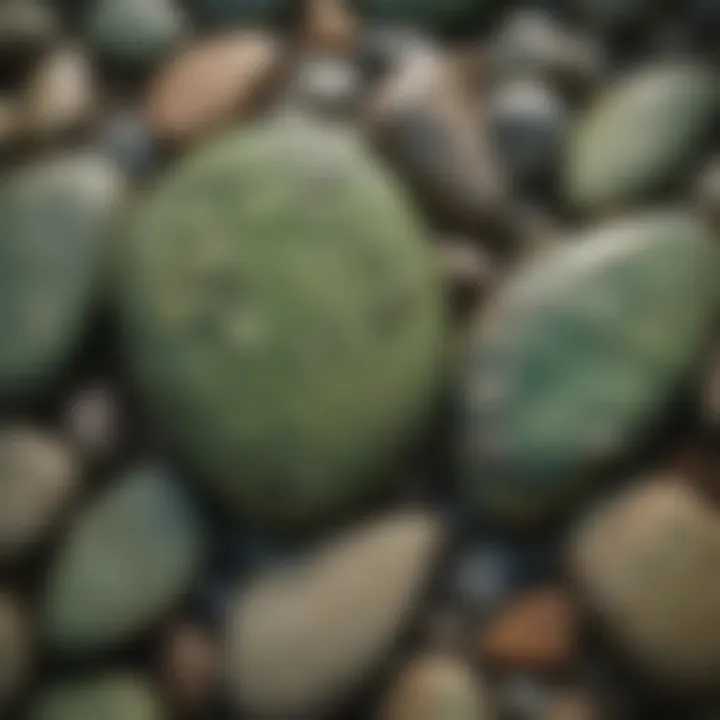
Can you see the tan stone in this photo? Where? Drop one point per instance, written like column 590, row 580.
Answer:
column 213, row 83
column 60, row 94
column 437, row 687
column 647, row 562
column 307, row 635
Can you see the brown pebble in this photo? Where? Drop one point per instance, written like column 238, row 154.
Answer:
column 15, row 646
column 212, row 84
column 60, row 94
column 537, row 631
column 330, row 26
column 437, row 687
column 189, row 669
column 423, row 120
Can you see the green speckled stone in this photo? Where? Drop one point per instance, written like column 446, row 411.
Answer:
column 432, row 15
column 578, row 357
column 111, row 697
column 128, row 558
column 283, row 319
column 54, row 219
column 639, row 135
column 242, row 13
column 134, row 33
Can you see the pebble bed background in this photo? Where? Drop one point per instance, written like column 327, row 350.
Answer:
column 358, row 359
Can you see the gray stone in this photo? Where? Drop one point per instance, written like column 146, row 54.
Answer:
column 26, row 27
column 303, row 637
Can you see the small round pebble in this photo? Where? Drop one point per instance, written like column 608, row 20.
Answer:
column 529, row 123
column 189, row 669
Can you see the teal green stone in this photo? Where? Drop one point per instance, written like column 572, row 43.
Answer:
column 639, row 135
column 242, row 13
column 54, row 222
column 111, row 697
column 128, row 558
column 433, row 15
column 135, row 34
column 578, row 358
column 283, row 319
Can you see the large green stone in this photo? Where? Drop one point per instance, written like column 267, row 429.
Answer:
column 639, row 135
column 577, row 358
column 54, row 218
column 433, row 15
column 111, row 697
column 128, row 558
column 283, row 319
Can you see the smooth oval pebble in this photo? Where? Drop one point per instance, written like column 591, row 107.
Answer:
column 422, row 120
column 16, row 646
column 128, row 558
column 213, row 83
column 640, row 135
column 38, row 476
column 135, row 34
column 54, row 222
column 60, row 95
column 283, row 321
column 107, row 697
column 647, row 563
column 578, row 357
column 437, row 687
column 304, row 637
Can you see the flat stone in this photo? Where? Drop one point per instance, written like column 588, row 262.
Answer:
column 578, row 357
column 129, row 557
column 305, row 637
column 38, row 477
column 60, row 95
column 134, row 34
column 422, row 120
column 639, row 136
column 437, row 687
column 16, row 646
column 646, row 562
column 212, row 84
column 536, row 631
column 111, row 697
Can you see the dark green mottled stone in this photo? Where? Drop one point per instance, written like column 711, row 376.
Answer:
column 128, row 558
column 578, row 357
column 242, row 13
column 433, row 15
column 112, row 697
column 53, row 224
column 283, row 319
column 639, row 135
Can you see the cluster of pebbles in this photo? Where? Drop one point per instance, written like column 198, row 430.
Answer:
column 359, row 359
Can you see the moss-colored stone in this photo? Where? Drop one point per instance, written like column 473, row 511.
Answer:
column 283, row 320
column 128, row 558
